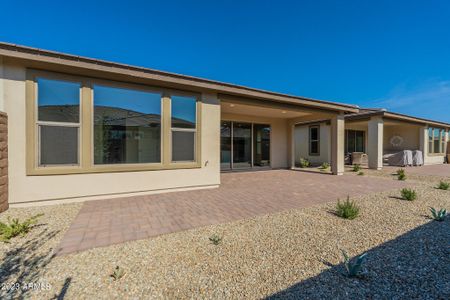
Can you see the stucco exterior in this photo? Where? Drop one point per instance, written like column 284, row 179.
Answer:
column 289, row 118
column 302, row 146
column 23, row 188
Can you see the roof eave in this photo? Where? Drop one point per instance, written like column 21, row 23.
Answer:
column 56, row 58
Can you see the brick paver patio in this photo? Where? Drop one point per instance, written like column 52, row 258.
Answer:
column 433, row 170
column 241, row 195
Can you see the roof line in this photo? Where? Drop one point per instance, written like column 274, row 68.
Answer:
column 398, row 116
column 71, row 57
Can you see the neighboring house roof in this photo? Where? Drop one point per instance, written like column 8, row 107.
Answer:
column 105, row 115
column 56, row 58
column 369, row 112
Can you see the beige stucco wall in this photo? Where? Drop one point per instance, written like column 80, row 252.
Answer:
column 301, row 136
column 409, row 133
column 25, row 188
column 278, row 136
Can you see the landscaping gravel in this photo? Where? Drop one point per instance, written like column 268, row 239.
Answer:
column 293, row 254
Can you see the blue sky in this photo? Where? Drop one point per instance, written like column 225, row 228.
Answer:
column 391, row 54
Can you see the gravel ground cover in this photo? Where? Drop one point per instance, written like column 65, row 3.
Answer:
column 293, row 254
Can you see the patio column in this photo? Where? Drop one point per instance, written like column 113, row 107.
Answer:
column 375, row 143
column 423, row 142
column 337, row 144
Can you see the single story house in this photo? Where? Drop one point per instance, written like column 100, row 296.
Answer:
column 75, row 128
column 378, row 134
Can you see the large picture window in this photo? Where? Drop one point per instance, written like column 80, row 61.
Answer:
column 314, row 140
column 58, row 122
column 86, row 125
column 436, row 140
column 183, row 120
column 127, row 126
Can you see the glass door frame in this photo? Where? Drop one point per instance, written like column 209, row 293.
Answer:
column 231, row 168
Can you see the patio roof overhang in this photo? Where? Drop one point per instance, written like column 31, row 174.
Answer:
column 367, row 114
column 66, row 63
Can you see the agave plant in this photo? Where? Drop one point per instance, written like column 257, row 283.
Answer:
column 353, row 267
column 215, row 239
column 117, row 273
column 438, row 215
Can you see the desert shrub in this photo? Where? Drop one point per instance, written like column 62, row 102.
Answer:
column 353, row 267
column 443, row 185
column 438, row 215
column 347, row 209
column 361, row 173
column 408, row 194
column 14, row 227
column 356, row 167
column 117, row 273
column 401, row 174
column 215, row 239
column 325, row 166
column 304, row 163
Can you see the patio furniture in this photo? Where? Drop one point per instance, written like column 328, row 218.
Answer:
column 359, row 158
column 401, row 159
column 417, row 158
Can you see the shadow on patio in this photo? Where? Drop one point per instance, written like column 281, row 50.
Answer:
column 415, row 265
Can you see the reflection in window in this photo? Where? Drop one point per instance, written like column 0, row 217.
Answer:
column 127, row 126
column 354, row 141
column 261, row 145
column 314, row 148
column 58, row 121
column 183, row 112
column 58, row 101
column 436, row 140
column 184, row 115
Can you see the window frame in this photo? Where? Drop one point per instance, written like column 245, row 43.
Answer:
column 441, row 141
column 181, row 129
column 348, row 133
column 121, row 85
column 86, row 127
column 310, row 141
column 39, row 124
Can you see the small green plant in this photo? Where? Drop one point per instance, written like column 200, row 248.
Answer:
column 347, row 209
column 438, row 215
column 304, row 163
column 361, row 173
column 14, row 228
column 401, row 174
column 408, row 194
column 356, row 167
column 215, row 239
column 353, row 267
column 117, row 273
column 325, row 166
column 444, row 185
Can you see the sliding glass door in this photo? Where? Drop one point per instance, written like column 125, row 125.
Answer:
column 261, row 145
column 225, row 145
column 244, row 145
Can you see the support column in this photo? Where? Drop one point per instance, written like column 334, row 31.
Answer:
column 291, row 153
column 337, row 144
column 375, row 143
column 423, row 142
